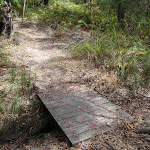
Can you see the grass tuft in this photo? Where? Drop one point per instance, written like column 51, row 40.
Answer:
column 15, row 91
column 127, row 55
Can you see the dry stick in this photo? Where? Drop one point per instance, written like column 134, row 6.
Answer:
column 145, row 130
column 24, row 6
column 110, row 146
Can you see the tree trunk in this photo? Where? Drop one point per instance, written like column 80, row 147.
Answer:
column 24, row 7
column 8, row 19
column 2, row 26
column 121, row 14
column 45, row 2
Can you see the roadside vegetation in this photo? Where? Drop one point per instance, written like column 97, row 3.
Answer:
column 120, row 34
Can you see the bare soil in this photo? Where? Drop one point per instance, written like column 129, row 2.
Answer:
column 47, row 53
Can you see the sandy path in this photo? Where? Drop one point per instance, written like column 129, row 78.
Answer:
column 46, row 55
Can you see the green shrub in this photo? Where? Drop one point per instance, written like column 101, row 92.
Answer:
column 124, row 49
column 128, row 55
column 68, row 14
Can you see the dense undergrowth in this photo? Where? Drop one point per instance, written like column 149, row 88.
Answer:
column 126, row 54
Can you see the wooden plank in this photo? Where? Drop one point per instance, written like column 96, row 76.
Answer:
column 88, row 124
column 80, row 108
column 79, row 113
column 81, row 129
column 70, row 99
column 87, row 135
column 77, row 110
column 71, row 125
column 74, row 110
column 81, row 102
column 98, row 121
column 94, row 101
column 96, row 114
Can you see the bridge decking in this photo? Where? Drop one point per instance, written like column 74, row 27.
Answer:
column 81, row 112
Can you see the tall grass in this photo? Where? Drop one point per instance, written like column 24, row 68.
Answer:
column 125, row 50
column 126, row 54
column 16, row 92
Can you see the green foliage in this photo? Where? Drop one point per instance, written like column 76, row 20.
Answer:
column 95, row 50
column 68, row 14
column 128, row 55
column 136, row 14
column 21, row 78
column 14, row 104
column 97, row 14
column 1, row 105
column 124, row 49
column 1, row 14
column 4, row 61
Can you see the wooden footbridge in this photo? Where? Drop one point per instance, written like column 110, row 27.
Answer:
column 81, row 112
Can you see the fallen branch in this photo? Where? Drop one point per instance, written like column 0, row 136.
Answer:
column 145, row 130
column 110, row 146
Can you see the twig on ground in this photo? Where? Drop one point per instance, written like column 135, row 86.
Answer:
column 27, row 138
column 111, row 147
column 145, row 130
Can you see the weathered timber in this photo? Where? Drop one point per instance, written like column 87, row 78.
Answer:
column 81, row 112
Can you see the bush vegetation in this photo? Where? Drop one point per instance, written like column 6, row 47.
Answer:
column 123, row 33
column 122, row 26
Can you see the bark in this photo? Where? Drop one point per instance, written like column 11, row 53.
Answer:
column 24, row 7
column 121, row 14
column 45, row 2
column 8, row 19
column 2, row 26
